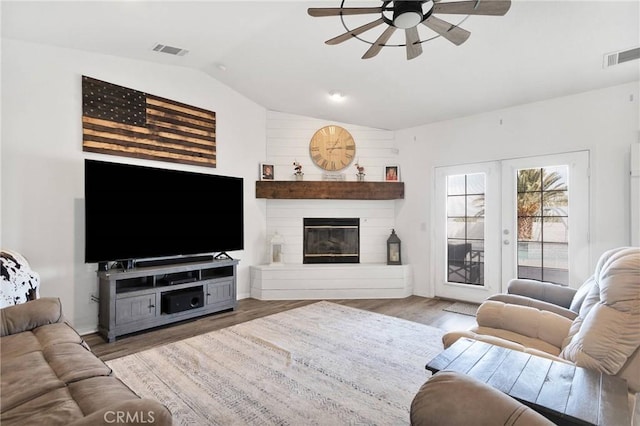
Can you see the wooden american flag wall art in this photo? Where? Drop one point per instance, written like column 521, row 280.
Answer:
column 126, row 122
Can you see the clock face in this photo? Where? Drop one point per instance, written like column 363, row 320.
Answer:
column 332, row 148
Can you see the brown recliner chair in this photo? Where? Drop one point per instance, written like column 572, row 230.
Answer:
column 453, row 399
column 598, row 328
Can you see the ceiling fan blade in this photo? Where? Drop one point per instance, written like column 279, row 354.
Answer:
column 414, row 47
column 337, row 11
column 455, row 35
column 354, row 32
column 379, row 43
column 473, row 7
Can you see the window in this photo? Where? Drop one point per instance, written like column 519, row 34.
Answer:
column 465, row 228
column 543, row 224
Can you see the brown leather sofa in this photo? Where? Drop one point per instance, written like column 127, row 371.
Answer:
column 49, row 376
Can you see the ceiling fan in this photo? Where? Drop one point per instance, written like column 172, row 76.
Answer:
column 408, row 15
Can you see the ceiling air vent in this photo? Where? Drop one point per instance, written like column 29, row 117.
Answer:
column 621, row 56
column 170, row 50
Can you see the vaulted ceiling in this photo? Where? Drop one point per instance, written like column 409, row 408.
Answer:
column 274, row 53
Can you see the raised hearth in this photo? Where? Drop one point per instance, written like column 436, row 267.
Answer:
column 331, row 281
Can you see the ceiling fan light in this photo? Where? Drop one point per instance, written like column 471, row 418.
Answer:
column 407, row 20
column 407, row 14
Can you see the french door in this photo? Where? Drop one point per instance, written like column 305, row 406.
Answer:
column 525, row 217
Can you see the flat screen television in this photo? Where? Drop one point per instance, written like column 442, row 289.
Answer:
column 137, row 212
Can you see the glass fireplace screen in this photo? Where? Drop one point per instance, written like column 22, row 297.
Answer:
column 332, row 240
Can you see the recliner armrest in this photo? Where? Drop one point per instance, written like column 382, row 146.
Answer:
column 27, row 316
column 515, row 299
column 544, row 291
column 531, row 322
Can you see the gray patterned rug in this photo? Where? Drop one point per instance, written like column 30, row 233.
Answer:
column 322, row 364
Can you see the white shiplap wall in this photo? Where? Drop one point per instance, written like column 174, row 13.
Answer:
column 288, row 139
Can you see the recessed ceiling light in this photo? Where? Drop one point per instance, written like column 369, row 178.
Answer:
column 221, row 67
column 336, row 96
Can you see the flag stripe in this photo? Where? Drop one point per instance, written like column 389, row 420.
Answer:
column 118, row 129
column 121, row 121
column 148, row 154
column 93, row 135
column 180, row 118
column 133, row 146
column 173, row 124
column 187, row 109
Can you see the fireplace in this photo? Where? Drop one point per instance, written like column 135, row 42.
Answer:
column 331, row 240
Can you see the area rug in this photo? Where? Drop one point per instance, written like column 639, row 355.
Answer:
column 322, row 364
column 462, row 308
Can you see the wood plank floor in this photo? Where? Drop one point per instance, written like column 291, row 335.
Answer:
column 413, row 308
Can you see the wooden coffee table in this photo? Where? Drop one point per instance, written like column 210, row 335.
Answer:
column 563, row 393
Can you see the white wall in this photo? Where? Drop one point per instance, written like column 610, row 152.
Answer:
column 288, row 139
column 42, row 159
column 605, row 122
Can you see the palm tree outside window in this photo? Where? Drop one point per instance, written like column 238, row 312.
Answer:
column 543, row 224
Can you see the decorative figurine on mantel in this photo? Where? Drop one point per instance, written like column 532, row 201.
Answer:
column 297, row 167
column 360, row 174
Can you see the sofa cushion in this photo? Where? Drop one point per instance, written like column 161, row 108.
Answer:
column 57, row 333
column 607, row 331
column 53, row 408
column 72, row 362
column 27, row 316
column 16, row 345
column 98, row 392
column 581, row 294
column 24, row 378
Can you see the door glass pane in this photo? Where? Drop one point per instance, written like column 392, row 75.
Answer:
column 543, row 224
column 465, row 228
column 456, row 185
column 456, row 227
column 456, row 206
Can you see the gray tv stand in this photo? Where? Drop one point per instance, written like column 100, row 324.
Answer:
column 141, row 298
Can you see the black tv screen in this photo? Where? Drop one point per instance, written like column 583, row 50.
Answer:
column 137, row 212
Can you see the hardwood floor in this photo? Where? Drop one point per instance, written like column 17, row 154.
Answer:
column 413, row 308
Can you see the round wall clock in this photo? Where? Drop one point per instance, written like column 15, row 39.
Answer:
column 332, row 148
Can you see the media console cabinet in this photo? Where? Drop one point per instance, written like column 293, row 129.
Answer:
column 141, row 298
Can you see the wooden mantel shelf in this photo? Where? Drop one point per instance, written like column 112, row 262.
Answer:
column 330, row 190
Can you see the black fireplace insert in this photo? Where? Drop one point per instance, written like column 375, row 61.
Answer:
column 331, row 240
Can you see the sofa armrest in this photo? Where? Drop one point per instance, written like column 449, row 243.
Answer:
column 546, row 292
column 530, row 322
column 449, row 398
column 27, row 316
column 132, row 412
column 515, row 299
